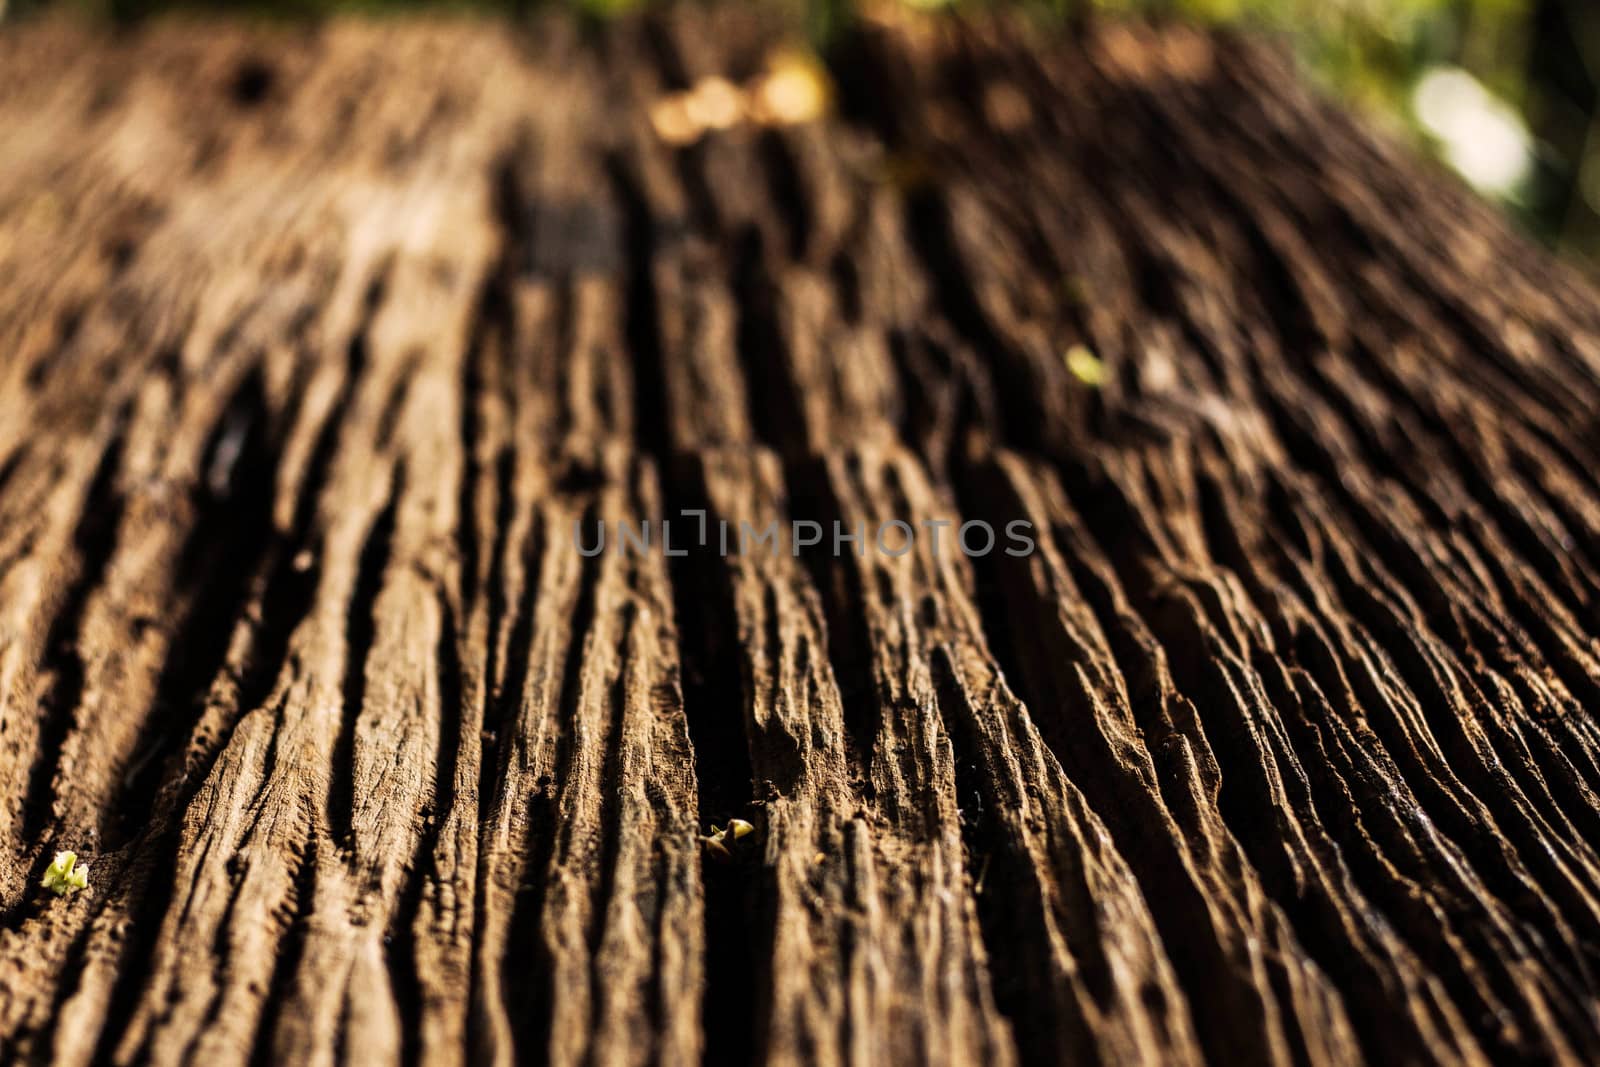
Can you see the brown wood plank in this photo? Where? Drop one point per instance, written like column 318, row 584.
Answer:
column 325, row 348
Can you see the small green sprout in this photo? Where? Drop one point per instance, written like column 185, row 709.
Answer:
column 66, row 875
column 719, row 838
column 1086, row 366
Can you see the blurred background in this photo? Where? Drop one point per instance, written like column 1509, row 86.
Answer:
column 1505, row 92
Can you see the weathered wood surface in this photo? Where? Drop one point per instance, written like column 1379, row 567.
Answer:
column 1280, row 749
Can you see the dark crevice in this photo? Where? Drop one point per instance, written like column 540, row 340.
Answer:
column 400, row 938
column 470, row 430
column 69, row 322
column 452, row 712
column 286, row 963
column 94, row 541
column 511, row 626
column 785, row 181
column 493, row 330
column 737, row 919
column 252, row 81
column 9, row 467
column 776, row 414
column 843, row 598
column 394, row 403
column 1012, row 914
column 949, row 407
column 641, row 318
column 929, row 224
column 217, row 567
column 501, row 612
column 611, row 829
column 361, row 626
column 528, row 993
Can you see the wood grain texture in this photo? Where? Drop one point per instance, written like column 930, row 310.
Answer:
column 322, row 350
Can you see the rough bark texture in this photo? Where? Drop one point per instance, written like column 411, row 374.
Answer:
column 315, row 342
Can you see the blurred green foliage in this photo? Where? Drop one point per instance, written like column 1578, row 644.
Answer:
column 1536, row 64
column 1506, row 91
column 1515, row 80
